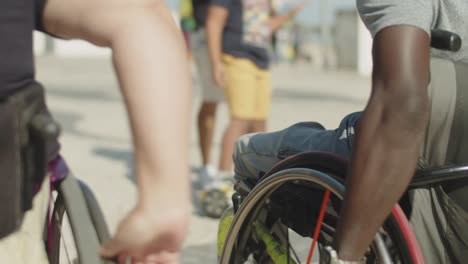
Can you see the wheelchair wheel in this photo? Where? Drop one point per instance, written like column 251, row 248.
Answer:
column 290, row 212
column 97, row 217
column 77, row 225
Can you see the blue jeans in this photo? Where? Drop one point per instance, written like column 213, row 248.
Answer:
column 254, row 153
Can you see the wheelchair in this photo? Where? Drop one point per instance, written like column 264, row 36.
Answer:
column 285, row 204
column 76, row 226
column 290, row 212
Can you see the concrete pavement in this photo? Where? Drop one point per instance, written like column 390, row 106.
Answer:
column 84, row 97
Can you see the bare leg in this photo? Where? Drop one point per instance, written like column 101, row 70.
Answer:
column 235, row 129
column 257, row 126
column 206, row 123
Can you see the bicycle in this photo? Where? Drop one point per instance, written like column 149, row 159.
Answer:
column 282, row 206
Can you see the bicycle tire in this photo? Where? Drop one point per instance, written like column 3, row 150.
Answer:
column 261, row 191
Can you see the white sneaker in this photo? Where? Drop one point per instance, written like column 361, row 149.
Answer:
column 206, row 175
column 225, row 176
column 221, row 180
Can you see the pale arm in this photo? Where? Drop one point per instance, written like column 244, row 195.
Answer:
column 153, row 73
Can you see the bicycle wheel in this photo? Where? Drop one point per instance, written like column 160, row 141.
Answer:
column 77, row 225
column 279, row 217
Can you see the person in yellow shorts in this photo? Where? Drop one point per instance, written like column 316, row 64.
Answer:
column 238, row 34
column 247, row 88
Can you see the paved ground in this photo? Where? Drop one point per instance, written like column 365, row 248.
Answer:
column 84, row 97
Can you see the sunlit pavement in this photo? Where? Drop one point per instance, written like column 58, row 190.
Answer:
column 84, row 97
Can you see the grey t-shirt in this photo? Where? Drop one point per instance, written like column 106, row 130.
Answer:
column 451, row 15
column 448, row 84
column 441, row 237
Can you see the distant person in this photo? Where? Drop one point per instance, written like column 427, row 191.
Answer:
column 239, row 35
column 297, row 40
column 187, row 22
column 211, row 94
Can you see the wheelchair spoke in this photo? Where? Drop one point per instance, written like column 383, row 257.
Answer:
column 63, row 241
column 283, row 232
column 276, row 205
column 318, row 226
column 66, row 250
column 291, row 248
column 288, row 246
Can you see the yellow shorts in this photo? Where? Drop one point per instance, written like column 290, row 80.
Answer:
column 247, row 89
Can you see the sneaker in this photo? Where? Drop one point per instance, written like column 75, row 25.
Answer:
column 225, row 176
column 206, row 175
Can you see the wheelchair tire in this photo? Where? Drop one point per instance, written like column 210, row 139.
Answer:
column 86, row 220
column 238, row 241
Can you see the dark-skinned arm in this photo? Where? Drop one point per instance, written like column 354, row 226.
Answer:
column 389, row 137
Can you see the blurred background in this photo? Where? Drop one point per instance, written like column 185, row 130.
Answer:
column 327, row 34
column 321, row 72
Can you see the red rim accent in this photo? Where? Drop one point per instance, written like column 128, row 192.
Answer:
column 407, row 232
column 326, row 197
